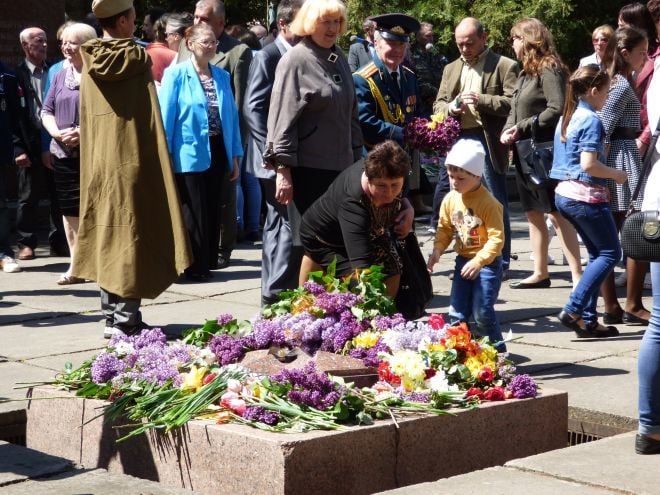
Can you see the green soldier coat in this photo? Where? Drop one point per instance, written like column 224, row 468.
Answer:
column 132, row 239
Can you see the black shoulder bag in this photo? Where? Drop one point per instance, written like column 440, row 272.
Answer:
column 535, row 159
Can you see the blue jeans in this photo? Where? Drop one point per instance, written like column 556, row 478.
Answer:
column 248, row 201
column 648, row 365
column 594, row 223
column 477, row 298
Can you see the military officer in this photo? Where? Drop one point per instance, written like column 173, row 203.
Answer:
column 387, row 91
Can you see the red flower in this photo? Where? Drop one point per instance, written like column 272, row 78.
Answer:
column 494, row 394
column 475, row 392
column 209, row 378
column 486, row 374
column 430, row 373
column 386, row 375
column 436, row 321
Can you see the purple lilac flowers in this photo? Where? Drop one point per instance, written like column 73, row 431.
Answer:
column 106, row 366
column 522, row 387
column 257, row 413
column 309, row 388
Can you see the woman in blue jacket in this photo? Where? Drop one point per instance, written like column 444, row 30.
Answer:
column 201, row 124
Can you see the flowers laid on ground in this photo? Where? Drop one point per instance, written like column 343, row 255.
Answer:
column 422, row 367
column 435, row 135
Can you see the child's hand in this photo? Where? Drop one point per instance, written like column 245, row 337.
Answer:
column 470, row 270
column 621, row 177
column 433, row 259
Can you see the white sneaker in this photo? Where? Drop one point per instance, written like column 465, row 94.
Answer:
column 621, row 279
column 9, row 265
column 647, row 281
column 551, row 259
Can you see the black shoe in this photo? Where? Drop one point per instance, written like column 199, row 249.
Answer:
column 632, row 319
column 611, row 319
column 597, row 331
column 646, row 445
column 61, row 251
column 223, row 262
column 252, row 237
column 570, row 322
column 541, row 284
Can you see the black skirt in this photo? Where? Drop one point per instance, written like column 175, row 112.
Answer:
column 542, row 200
column 67, row 185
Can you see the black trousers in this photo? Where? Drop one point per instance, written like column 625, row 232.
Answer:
column 201, row 195
column 35, row 183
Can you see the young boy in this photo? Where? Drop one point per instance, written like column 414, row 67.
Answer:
column 471, row 216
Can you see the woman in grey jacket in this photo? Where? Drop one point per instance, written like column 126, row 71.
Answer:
column 313, row 131
column 539, row 96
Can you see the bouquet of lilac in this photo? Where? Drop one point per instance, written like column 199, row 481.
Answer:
column 435, row 135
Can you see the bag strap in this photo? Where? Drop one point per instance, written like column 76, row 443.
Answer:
column 646, row 165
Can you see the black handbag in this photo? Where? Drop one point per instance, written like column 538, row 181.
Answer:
column 415, row 288
column 640, row 232
column 535, row 160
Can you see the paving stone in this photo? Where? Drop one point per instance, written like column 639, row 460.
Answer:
column 19, row 463
column 496, row 481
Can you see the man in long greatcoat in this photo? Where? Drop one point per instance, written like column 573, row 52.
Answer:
column 132, row 238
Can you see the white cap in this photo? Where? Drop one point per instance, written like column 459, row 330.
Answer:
column 468, row 154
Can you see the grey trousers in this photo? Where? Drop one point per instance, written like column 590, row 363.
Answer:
column 280, row 259
column 120, row 312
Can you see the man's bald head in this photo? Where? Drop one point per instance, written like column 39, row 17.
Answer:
column 470, row 38
column 34, row 44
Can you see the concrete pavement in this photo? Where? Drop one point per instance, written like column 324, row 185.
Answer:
column 43, row 325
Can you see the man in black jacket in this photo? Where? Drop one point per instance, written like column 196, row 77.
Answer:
column 9, row 136
column 34, row 169
column 280, row 260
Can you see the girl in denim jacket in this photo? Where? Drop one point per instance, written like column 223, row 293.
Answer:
column 582, row 196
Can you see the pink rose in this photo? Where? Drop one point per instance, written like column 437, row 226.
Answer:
column 226, row 397
column 436, row 321
column 238, row 406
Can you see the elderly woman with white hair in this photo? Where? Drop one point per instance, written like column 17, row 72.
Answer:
column 61, row 117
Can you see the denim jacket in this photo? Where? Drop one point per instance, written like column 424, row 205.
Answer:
column 584, row 133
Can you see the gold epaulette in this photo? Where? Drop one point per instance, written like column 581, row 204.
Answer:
column 367, row 71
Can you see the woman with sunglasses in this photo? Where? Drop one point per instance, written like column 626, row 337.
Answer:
column 603, row 49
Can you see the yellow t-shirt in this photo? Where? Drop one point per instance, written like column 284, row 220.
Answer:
column 474, row 220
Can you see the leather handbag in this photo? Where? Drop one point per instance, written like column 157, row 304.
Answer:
column 640, row 233
column 535, row 160
column 415, row 288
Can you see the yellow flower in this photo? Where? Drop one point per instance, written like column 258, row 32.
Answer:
column 301, row 304
column 437, row 117
column 193, row 379
column 366, row 340
column 432, row 125
column 474, row 364
column 488, row 356
column 410, row 367
column 435, row 347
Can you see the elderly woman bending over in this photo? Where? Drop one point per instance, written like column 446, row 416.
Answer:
column 353, row 220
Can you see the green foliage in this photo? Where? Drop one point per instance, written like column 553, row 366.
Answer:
column 570, row 21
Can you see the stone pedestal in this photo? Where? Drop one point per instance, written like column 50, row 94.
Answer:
column 229, row 459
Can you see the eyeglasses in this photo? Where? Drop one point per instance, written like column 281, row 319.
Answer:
column 207, row 44
column 514, row 38
column 173, row 33
column 599, row 41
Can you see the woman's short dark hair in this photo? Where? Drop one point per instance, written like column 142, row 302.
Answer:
column 387, row 159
